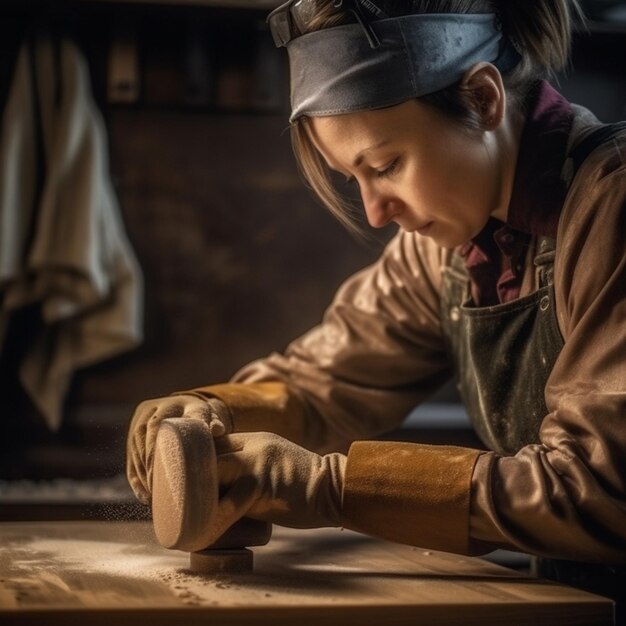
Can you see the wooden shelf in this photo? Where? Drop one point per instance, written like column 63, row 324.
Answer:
column 599, row 27
column 222, row 4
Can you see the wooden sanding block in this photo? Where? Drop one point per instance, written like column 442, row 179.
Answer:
column 184, row 501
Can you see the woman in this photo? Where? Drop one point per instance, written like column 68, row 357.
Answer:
column 508, row 271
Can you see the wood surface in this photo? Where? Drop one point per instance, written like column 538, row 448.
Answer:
column 99, row 573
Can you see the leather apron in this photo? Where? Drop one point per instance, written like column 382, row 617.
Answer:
column 502, row 357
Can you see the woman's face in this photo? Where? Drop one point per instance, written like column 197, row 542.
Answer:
column 416, row 168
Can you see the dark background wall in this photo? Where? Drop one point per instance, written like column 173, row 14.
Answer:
column 238, row 257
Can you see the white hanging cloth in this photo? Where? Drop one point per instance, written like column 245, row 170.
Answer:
column 63, row 247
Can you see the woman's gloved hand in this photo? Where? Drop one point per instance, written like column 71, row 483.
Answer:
column 267, row 477
column 144, row 426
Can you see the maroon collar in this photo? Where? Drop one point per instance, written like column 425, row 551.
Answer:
column 494, row 258
column 539, row 190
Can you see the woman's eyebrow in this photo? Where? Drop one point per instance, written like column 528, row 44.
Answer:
column 360, row 156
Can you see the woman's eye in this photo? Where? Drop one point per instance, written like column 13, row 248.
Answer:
column 389, row 170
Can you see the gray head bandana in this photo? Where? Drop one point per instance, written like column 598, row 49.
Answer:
column 335, row 70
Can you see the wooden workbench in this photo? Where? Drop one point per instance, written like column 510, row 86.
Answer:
column 114, row 574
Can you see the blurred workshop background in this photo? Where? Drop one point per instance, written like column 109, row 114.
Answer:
column 164, row 237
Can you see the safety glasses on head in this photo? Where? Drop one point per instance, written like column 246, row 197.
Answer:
column 293, row 18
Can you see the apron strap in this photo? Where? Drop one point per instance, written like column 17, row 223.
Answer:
column 595, row 138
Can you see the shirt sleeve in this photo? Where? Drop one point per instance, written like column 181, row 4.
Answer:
column 565, row 497
column 377, row 353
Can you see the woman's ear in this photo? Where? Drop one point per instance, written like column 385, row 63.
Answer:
column 484, row 89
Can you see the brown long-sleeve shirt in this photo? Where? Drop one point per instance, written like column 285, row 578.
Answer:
column 379, row 352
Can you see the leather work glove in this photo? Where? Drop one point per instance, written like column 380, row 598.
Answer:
column 267, row 477
column 144, row 426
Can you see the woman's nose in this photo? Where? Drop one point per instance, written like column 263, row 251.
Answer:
column 380, row 208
